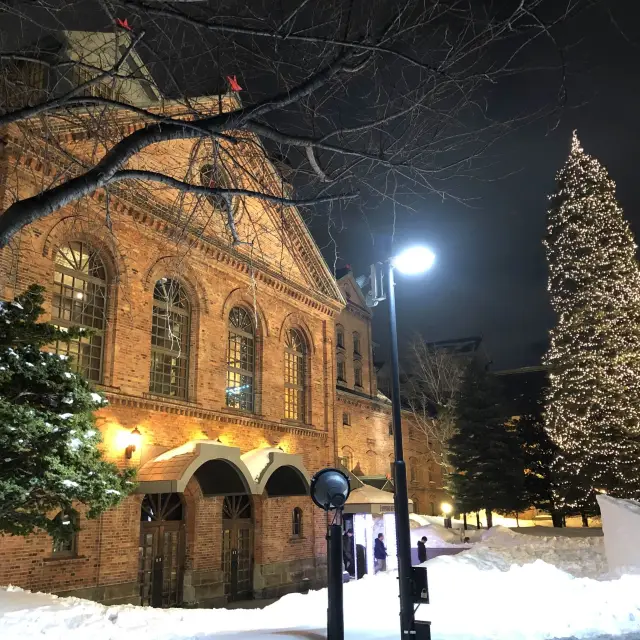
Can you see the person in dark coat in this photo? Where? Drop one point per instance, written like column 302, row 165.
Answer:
column 347, row 552
column 422, row 550
column 380, row 554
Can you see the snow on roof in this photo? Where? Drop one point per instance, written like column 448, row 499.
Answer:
column 257, row 460
column 382, row 397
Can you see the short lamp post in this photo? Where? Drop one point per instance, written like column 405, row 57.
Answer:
column 412, row 261
column 446, row 510
column 329, row 490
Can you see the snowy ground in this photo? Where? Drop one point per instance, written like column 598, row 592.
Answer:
column 508, row 586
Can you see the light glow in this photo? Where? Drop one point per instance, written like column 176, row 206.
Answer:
column 446, row 508
column 414, row 260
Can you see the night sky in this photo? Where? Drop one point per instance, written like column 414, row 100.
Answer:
column 490, row 274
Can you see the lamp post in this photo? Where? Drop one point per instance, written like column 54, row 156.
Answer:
column 412, row 261
column 446, row 510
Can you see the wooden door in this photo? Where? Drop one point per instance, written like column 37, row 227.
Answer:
column 161, row 551
column 237, row 547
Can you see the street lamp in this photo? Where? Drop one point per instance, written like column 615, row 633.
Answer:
column 411, row 261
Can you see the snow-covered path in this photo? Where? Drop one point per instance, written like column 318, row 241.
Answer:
column 507, row 587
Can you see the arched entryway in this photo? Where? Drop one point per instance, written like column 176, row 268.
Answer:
column 161, row 552
column 237, row 546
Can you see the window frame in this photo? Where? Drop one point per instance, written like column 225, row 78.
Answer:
column 233, row 370
column 347, row 454
column 341, row 365
column 182, row 355
column 72, row 552
column 297, row 523
column 340, row 337
column 64, row 268
column 356, row 343
column 295, row 359
column 346, row 419
column 357, row 375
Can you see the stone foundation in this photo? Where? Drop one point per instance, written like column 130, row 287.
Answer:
column 110, row 594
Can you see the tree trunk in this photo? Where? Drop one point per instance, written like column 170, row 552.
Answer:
column 464, row 521
column 478, row 525
column 585, row 519
column 564, row 520
column 556, row 519
column 489, row 518
column 517, row 520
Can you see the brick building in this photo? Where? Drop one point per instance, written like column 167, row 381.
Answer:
column 218, row 359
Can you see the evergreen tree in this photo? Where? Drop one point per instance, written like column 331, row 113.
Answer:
column 49, row 455
column 485, row 453
column 593, row 402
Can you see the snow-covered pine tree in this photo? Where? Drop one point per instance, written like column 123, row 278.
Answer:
column 593, row 401
column 49, row 455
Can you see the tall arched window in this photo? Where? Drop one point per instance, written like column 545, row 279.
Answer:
column 341, row 374
column 413, row 469
column 346, row 460
column 241, row 360
column 340, row 336
column 80, row 300
column 294, row 376
column 356, row 343
column 296, row 523
column 357, row 374
column 170, row 333
column 213, row 177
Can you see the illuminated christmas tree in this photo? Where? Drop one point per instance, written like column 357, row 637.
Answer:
column 593, row 403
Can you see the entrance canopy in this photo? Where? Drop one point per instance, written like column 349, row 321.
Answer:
column 368, row 499
column 222, row 470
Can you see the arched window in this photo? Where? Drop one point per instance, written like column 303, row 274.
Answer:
column 80, row 300
column 413, row 469
column 170, row 334
column 357, row 374
column 67, row 544
column 240, row 360
column 416, row 505
column 296, row 523
column 213, row 177
column 372, row 462
column 340, row 336
column 341, row 374
column 294, row 376
column 347, row 458
column 432, row 506
column 356, row 343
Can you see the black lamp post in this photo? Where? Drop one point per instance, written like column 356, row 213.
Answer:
column 412, row 261
column 329, row 491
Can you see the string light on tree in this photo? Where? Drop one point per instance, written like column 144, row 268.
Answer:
column 593, row 401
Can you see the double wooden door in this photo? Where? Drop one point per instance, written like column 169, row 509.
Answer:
column 237, row 547
column 161, row 552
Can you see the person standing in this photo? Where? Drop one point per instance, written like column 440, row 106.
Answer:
column 422, row 550
column 380, row 554
column 347, row 552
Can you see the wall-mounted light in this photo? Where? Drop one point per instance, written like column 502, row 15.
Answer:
column 135, row 438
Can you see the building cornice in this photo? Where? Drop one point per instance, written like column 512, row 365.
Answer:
column 193, row 410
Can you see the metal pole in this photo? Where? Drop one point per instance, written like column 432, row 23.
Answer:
column 335, row 612
column 401, row 498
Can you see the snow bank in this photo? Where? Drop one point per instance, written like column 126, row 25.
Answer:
column 621, row 526
column 530, row 589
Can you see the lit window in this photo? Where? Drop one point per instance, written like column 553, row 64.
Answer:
column 170, row 334
column 80, row 300
column 67, row 544
column 296, row 522
column 240, row 360
column 294, row 377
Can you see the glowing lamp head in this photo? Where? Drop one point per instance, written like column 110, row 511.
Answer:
column 414, row 260
column 135, row 439
column 446, row 508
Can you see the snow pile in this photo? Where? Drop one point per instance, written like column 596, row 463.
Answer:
column 621, row 526
column 437, row 537
column 508, row 587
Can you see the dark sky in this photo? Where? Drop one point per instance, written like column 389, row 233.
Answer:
column 490, row 274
